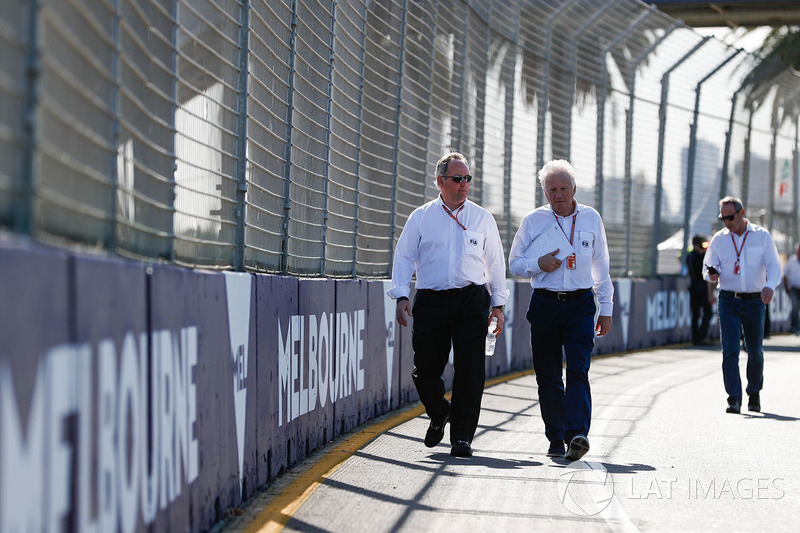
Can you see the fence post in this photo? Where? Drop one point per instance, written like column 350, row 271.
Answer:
column 746, row 161
column 431, row 68
column 773, row 150
column 287, row 165
column 23, row 210
column 662, row 122
column 628, row 127
column 545, row 101
column 354, row 268
column 687, row 214
column 723, row 186
column 174, row 95
column 240, row 210
column 458, row 75
column 327, row 168
column 397, row 116
column 601, row 113
column 628, row 132
column 113, row 174
column 509, row 130
column 723, row 183
column 573, row 67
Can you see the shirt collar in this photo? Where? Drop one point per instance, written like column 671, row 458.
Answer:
column 574, row 212
column 441, row 202
column 746, row 229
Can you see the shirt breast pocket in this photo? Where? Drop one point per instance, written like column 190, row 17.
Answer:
column 473, row 243
column 585, row 244
column 753, row 257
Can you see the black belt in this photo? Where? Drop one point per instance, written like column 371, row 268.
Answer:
column 448, row 292
column 562, row 295
column 742, row 295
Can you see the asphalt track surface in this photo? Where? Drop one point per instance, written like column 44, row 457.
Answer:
column 664, row 456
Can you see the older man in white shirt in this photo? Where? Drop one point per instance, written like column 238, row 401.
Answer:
column 743, row 259
column 562, row 308
column 455, row 248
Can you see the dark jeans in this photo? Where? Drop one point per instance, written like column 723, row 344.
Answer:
column 738, row 315
column 442, row 319
column 563, row 329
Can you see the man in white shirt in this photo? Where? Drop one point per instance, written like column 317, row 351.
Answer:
column 562, row 308
column 454, row 246
column 742, row 257
column 791, row 282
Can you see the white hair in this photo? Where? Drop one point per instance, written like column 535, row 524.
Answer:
column 557, row 166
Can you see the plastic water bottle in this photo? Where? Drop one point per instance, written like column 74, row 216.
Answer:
column 491, row 338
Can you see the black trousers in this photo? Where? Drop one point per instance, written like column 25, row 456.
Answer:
column 442, row 318
column 701, row 313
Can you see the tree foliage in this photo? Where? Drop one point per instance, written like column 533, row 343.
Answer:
column 779, row 53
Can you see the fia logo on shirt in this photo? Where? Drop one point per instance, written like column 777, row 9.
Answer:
column 585, row 243
column 473, row 241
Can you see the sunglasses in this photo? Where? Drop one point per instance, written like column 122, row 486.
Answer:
column 458, row 178
column 728, row 217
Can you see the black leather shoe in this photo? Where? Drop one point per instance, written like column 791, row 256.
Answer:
column 556, row 449
column 754, row 403
column 734, row 406
column 461, row 448
column 436, row 431
column 577, row 448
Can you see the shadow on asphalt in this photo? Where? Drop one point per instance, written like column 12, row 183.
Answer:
column 780, row 348
column 630, row 468
column 773, row 416
column 478, row 460
column 627, row 469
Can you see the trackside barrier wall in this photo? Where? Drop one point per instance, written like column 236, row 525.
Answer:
column 150, row 397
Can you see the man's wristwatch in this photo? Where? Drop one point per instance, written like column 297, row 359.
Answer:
column 500, row 307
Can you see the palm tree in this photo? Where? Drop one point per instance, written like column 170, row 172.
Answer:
column 781, row 50
column 774, row 69
column 574, row 82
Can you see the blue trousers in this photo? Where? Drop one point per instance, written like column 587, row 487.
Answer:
column 737, row 315
column 563, row 330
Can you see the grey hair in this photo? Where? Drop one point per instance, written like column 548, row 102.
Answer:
column 735, row 202
column 441, row 164
column 557, row 166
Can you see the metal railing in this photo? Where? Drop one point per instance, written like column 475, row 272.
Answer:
column 296, row 136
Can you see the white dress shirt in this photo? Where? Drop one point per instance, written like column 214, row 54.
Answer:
column 791, row 271
column 591, row 254
column 447, row 256
column 759, row 264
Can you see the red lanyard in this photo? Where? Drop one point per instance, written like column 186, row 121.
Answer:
column 454, row 217
column 739, row 250
column 572, row 232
